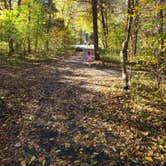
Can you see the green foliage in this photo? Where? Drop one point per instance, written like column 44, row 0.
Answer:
column 85, row 22
column 32, row 25
column 150, row 50
column 109, row 56
column 8, row 25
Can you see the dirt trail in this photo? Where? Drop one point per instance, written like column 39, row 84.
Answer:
column 53, row 113
column 59, row 113
column 77, row 71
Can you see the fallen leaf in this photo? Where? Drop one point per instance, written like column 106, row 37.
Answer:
column 148, row 158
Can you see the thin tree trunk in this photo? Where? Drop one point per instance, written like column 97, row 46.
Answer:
column 106, row 21
column 5, row 4
column 11, row 46
column 11, row 40
column 36, row 39
column 36, row 36
column 29, row 45
column 47, row 31
column 95, row 29
column 47, row 46
column 29, row 40
column 104, row 26
column 19, row 3
column 135, row 33
column 124, row 50
column 17, row 46
column 134, row 36
column 10, row 4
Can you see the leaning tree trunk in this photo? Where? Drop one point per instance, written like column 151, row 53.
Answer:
column 124, row 50
column 95, row 29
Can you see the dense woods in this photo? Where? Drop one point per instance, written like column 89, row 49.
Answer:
column 57, row 108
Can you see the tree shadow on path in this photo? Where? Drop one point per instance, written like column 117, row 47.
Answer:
column 64, row 122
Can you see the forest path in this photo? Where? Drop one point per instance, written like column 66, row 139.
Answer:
column 52, row 113
column 94, row 78
column 65, row 113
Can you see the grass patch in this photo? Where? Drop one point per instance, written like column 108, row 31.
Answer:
column 109, row 56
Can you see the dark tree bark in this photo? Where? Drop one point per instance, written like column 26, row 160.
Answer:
column 10, row 4
column 11, row 40
column 47, row 31
column 5, row 4
column 106, row 21
column 19, row 3
column 11, row 46
column 29, row 44
column 36, row 37
column 104, row 25
column 134, row 36
column 95, row 29
column 47, row 46
column 36, row 43
column 124, row 50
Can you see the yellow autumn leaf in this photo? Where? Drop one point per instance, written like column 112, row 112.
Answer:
column 23, row 163
column 158, row 157
column 148, row 158
column 144, row 133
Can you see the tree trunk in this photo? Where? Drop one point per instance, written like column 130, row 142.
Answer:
column 47, row 31
column 36, row 36
column 95, row 29
column 10, row 4
column 103, row 25
column 19, row 3
column 29, row 45
column 123, row 55
column 135, row 31
column 29, row 40
column 47, row 46
column 36, row 42
column 134, row 36
column 124, row 50
column 11, row 46
column 106, row 22
column 11, row 40
column 5, row 4
column 17, row 46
